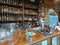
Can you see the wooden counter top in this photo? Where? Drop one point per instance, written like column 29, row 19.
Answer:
column 19, row 40
column 38, row 37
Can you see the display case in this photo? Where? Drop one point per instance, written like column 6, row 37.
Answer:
column 18, row 11
column 54, row 40
column 44, row 42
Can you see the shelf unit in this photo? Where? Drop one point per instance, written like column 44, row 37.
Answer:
column 22, row 11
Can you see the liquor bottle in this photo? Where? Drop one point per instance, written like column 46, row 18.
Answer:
column 5, row 1
column 4, row 17
column 19, row 2
column 14, row 2
column 10, row 17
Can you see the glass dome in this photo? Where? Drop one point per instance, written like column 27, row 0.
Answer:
column 6, row 30
column 2, row 34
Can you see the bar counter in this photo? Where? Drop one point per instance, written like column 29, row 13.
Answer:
column 36, row 40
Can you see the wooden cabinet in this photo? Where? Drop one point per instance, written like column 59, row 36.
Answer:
column 23, row 9
column 18, row 11
column 48, row 3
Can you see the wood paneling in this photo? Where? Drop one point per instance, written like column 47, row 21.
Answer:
column 48, row 3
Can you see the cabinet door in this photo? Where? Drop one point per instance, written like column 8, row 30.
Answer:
column 44, row 42
column 54, row 41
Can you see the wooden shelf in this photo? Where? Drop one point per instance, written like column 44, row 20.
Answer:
column 10, row 13
column 19, row 10
column 17, row 21
column 10, row 21
column 30, row 15
column 30, row 21
column 30, row 8
column 19, row 14
column 10, row 5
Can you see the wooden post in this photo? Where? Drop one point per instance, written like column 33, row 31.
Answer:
column 23, row 13
column 58, row 41
column 49, row 41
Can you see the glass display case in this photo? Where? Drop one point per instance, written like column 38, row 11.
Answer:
column 44, row 42
column 54, row 41
column 9, row 31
